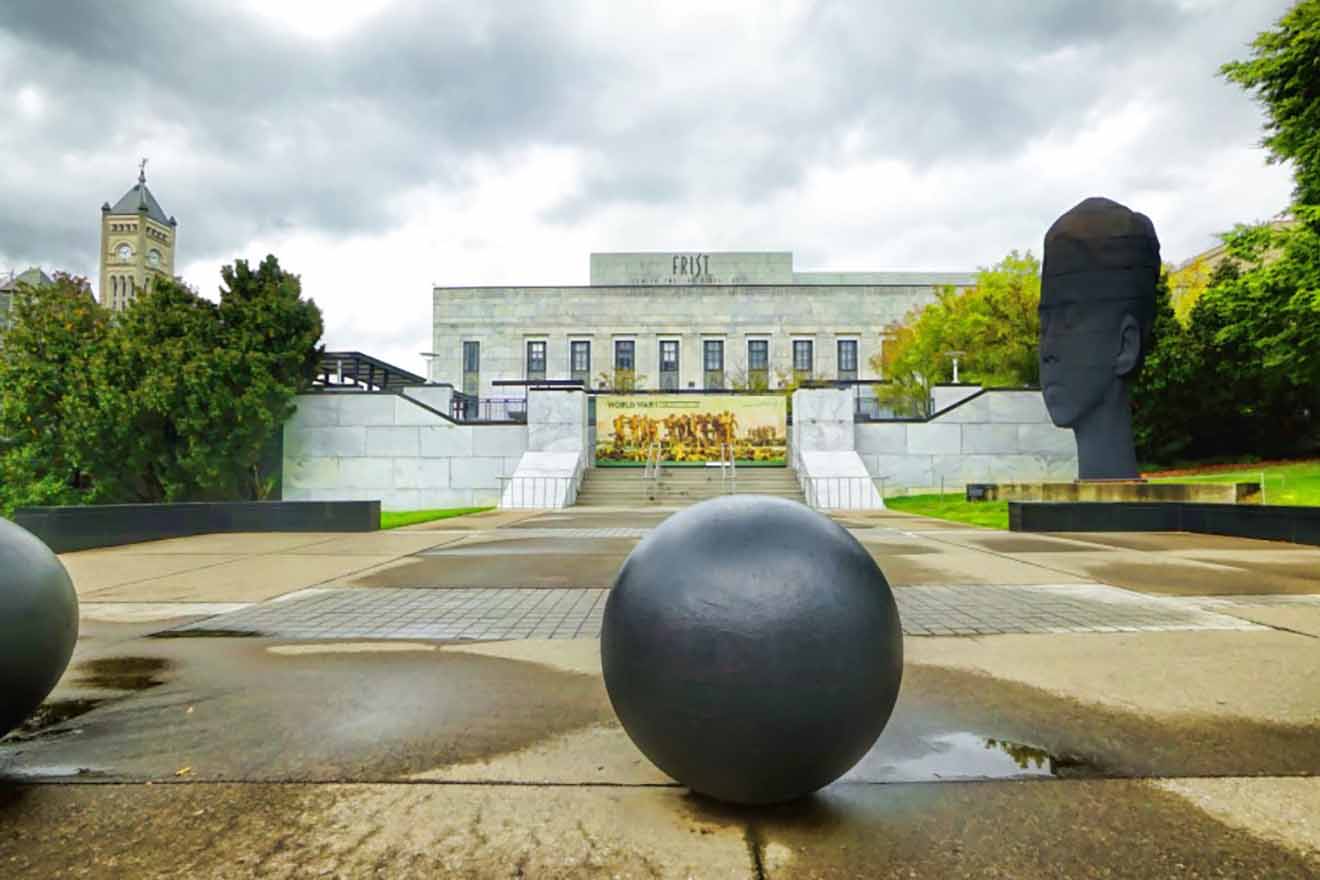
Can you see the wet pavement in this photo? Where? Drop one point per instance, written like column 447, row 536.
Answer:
column 1134, row 726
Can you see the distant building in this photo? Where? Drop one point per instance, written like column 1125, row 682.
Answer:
column 677, row 321
column 9, row 285
column 137, row 245
column 1190, row 278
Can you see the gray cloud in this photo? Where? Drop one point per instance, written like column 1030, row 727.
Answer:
column 255, row 132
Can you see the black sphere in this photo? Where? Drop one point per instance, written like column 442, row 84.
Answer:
column 38, row 623
column 751, row 648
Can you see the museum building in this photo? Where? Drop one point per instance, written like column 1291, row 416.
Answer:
column 676, row 321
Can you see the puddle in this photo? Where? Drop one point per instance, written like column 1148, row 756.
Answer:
column 48, row 718
column 53, row 771
column 203, row 633
column 122, row 673
column 106, row 674
column 958, row 755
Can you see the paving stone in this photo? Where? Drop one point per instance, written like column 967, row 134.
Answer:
column 515, row 613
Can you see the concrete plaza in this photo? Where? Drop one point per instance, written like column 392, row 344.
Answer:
column 427, row 702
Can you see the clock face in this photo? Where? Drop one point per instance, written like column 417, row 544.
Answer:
column 124, row 251
column 153, row 257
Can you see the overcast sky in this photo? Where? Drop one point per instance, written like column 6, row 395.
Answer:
column 380, row 147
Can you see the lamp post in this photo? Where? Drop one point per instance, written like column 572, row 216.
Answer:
column 954, row 355
column 430, row 356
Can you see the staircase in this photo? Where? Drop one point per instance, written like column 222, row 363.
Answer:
column 681, row 486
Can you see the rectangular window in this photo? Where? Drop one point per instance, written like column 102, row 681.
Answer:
column 472, row 368
column 848, row 359
column 579, row 357
column 713, row 356
column 668, row 364
column 802, row 359
column 625, row 364
column 536, row 360
column 758, row 364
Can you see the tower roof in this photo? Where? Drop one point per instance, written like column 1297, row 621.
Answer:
column 139, row 198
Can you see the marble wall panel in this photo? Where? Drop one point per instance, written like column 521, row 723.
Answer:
column 316, row 410
column 364, row 408
column 934, row 438
column 992, row 438
column 392, row 441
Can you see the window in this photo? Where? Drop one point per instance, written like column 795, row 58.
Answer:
column 472, row 368
column 801, row 359
column 624, row 364
column 713, row 356
column 848, row 359
column 758, row 364
column 668, row 364
column 536, row 360
column 579, row 357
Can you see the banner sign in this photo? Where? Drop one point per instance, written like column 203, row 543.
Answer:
column 691, row 427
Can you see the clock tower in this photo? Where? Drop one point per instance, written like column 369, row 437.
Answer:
column 137, row 245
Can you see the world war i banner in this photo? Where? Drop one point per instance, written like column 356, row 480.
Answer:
column 691, row 428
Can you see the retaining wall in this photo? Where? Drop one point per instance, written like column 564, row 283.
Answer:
column 991, row 436
column 65, row 529
column 396, row 449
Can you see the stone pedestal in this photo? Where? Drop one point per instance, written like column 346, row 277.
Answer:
column 1117, row 490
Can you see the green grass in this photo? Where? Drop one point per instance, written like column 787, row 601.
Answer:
column 392, row 519
column 989, row 514
column 1297, row 483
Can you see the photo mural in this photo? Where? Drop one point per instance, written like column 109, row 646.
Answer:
column 691, row 428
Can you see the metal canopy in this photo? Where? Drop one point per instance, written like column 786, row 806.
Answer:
column 353, row 369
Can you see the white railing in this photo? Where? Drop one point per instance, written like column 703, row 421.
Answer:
column 842, row 493
column 537, row 492
column 651, row 471
column 542, row 492
column 728, row 470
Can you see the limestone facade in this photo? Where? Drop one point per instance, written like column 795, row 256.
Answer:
column 666, row 307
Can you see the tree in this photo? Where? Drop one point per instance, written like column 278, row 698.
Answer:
column 177, row 399
column 56, row 334
column 995, row 324
column 1284, row 75
column 1242, row 377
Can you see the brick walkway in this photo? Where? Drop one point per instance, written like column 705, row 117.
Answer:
column 577, row 613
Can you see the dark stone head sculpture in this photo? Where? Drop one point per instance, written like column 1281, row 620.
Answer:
column 1097, row 306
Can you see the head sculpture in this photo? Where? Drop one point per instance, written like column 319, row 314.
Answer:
column 1097, row 307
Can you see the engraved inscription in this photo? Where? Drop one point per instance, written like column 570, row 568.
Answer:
column 691, row 265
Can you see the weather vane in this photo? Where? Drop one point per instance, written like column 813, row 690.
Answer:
column 142, row 170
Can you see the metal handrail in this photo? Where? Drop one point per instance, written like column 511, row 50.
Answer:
column 728, row 470
column 843, row 493
column 651, row 470
column 536, row 492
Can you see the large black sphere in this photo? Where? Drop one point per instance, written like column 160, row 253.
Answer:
column 751, row 648
column 38, row 623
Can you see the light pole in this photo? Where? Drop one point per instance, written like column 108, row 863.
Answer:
column 954, row 355
column 430, row 356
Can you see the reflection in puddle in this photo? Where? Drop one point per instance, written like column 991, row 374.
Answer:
column 202, row 633
column 129, row 674
column 53, row 771
column 122, row 673
column 48, row 717
column 959, row 755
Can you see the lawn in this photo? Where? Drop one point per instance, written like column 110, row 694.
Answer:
column 392, row 519
column 1290, row 483
column 989, row 514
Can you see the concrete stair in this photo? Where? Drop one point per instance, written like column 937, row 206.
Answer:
column 680, row 486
